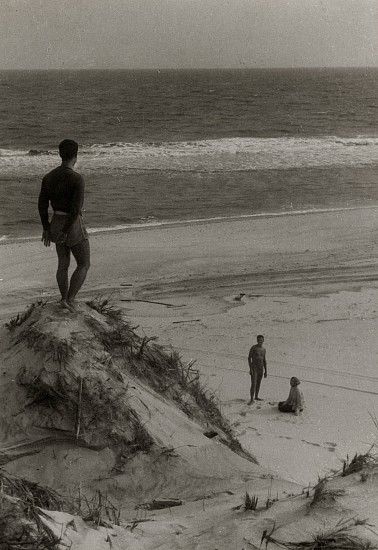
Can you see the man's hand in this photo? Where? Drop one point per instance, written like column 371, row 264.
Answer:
column 61, row 237
column 46, row 237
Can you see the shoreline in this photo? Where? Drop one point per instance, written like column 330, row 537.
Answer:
column 127, row 228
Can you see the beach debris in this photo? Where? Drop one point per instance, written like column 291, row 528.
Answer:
column 239, row 297
column 214, row 495
column 79, row 409
column 151, row 302
column 187, row 321
column 160, row 503
column 210, row 434
column 330, row 320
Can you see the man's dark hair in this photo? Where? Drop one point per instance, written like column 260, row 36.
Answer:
column 260, row 336
column 68, row 149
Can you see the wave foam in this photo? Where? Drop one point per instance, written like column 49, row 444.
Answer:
column 226, row 154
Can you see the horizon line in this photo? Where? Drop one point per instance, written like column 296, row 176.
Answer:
column 159, row 69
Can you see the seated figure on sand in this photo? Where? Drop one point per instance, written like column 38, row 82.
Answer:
column 295, row 402
column 64, row 189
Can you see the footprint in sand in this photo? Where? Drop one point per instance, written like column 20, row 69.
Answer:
column 331, row 446
column 254, row 429
column 311, row 443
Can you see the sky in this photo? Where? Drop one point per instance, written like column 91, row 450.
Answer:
column 159, row 34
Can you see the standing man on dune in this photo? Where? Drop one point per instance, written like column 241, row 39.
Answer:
column 257, row 367
column 64, row 189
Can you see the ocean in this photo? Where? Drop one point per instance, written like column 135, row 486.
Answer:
column 162, row 146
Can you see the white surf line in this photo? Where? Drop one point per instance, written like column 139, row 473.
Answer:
column 288, row 378
column 316, row 369
column 126, row 228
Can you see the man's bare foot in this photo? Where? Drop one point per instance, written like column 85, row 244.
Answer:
column 73, row 305
column 65, row 305
column 259, row 399
column 250, row 402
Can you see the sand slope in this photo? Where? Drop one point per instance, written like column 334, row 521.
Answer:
column 86, row 406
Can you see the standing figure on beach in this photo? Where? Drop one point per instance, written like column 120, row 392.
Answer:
column 257, row 367
column 64, row 189
column 294, row 403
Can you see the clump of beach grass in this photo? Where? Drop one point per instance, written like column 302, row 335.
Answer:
column 250, row 502
column 323, row 493
column 99, row 510
column 32, row 494
column 358, row 463
column 21, row 503
column 339, row 537
column 104, row 306
column 61, row 350
column 22, row 317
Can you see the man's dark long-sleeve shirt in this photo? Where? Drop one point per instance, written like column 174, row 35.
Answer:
column 64, row 189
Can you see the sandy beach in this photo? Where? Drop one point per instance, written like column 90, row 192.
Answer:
column 307, row 282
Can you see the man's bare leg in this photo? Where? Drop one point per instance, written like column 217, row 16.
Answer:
column 258, row 384
column 81, row 253
column 252, row 390
column 64, row 254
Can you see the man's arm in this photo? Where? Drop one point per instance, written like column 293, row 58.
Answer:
column 265, row 366
column 76, row 205
column 250, row 358
column 43, row 208
column 299, row 403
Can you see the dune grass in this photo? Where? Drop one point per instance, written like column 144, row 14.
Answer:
column 22, row 317
column 339, row 537
column 250, row 503
column 21, row 526
column 60, row 350
column 358, row 462
column 323, row 493
column 22, row 505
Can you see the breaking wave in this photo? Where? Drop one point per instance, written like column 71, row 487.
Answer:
column 226, row 154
